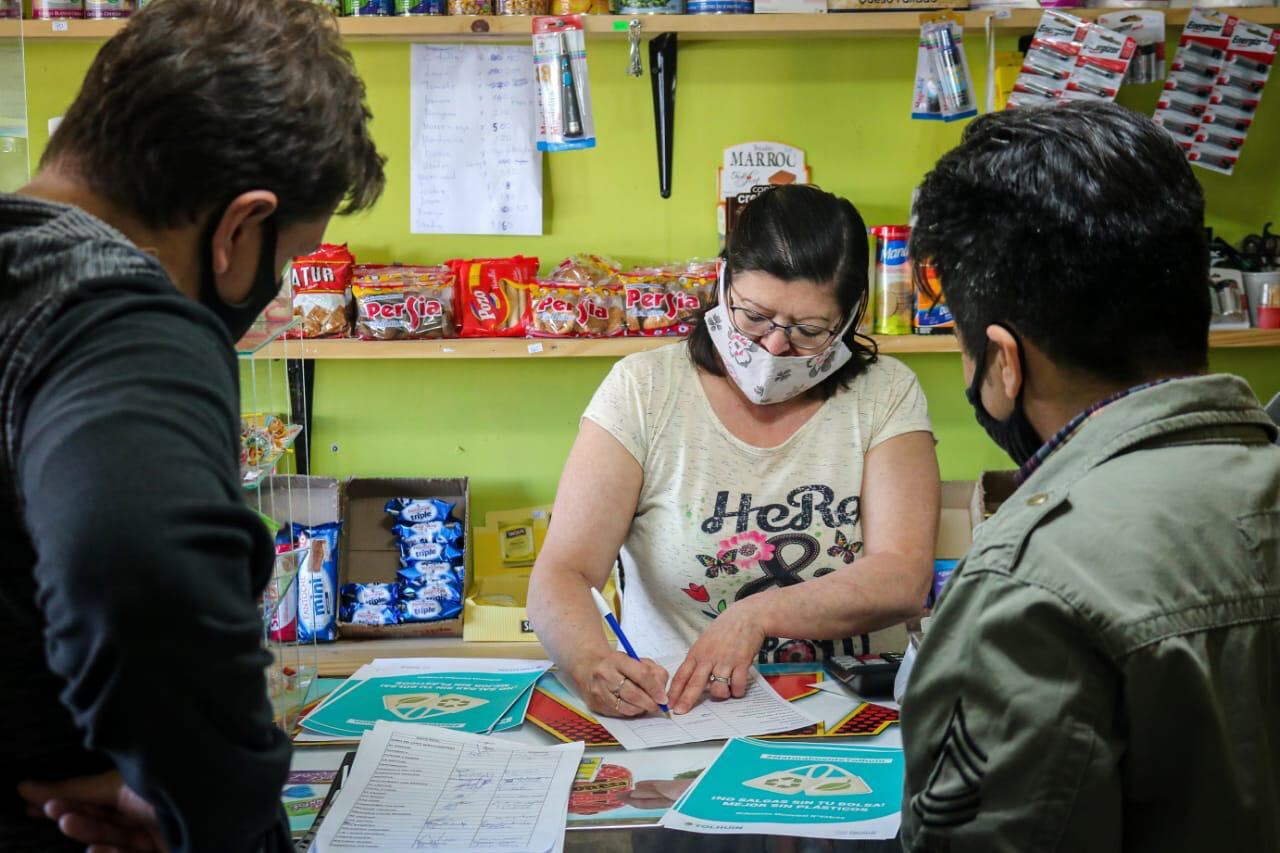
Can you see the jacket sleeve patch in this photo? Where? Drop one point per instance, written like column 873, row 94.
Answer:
column 952, row 795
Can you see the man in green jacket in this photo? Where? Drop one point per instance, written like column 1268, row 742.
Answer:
column 1103, row 670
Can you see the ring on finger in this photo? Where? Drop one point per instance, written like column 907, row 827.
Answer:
column 617, row 702
column 617, row 691
column 722, row 679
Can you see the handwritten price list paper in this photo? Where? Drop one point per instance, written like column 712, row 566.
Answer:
column 413, row 789
column 475, row 167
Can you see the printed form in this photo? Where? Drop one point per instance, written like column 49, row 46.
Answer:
column 761, row 711
column 414, row 788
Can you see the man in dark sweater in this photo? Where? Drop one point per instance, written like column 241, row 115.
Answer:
column 211, row 141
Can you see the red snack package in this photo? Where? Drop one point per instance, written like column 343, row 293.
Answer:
column 668, row 300
column 570, row 311
column 601, row 312
column 491, row 299
column 555, row 310
column 321, row 285
column 404, row 303
column 693, row 288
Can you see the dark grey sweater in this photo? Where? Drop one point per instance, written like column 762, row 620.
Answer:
column 129, row 563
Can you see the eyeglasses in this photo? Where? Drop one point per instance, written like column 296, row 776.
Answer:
column 801, row 336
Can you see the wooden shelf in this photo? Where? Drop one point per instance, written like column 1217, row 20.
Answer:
column 618, row 347
column 691, row 27
column 465, row 348
column 1244, row 338
column 341, row 658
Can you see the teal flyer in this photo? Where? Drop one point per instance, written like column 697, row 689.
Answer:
column 813, row 790
column 474, row 702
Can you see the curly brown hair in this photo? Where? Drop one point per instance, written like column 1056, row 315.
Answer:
column 197, row 101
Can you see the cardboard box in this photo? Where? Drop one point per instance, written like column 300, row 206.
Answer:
column 993, row 488
column 302, row 500
column 895, row 5
column 955, row 535
column 370, row 553
column 495, row 608
column 790, row 7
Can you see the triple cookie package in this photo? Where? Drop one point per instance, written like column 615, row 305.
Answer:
column 429, row 585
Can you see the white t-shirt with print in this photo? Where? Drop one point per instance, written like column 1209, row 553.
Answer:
column 719, row 519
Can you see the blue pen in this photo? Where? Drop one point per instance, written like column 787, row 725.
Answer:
column 607, row 613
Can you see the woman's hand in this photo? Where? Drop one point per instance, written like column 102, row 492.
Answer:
column 617, row 686
column 720, row 660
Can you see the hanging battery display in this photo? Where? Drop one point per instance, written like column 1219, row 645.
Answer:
column 1216, row 82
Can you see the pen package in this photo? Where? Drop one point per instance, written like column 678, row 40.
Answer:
column 564, row 93
column 944, row 86
column 1214, row 86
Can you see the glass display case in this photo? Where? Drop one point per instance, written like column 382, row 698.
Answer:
column 269, row 465
column 14, row 167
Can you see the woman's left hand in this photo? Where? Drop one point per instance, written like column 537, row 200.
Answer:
column 726, row 651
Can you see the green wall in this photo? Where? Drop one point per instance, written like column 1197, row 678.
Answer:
column 509, row 423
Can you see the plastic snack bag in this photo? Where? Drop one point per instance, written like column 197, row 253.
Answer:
column 321, row 284
column 564, row 94
column 492, row 300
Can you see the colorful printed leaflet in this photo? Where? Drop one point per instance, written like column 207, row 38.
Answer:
column 304, row 792
column 798, row 789
column 428, row 691
column 414, row 788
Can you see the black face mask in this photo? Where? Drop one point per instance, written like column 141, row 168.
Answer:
column 266, row 282
column 1015, row 436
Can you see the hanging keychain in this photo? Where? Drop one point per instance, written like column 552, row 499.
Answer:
column 634, row 68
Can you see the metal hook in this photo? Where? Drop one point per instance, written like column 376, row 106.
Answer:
column 634, row 68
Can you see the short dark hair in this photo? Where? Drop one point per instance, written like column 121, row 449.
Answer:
column 801, row 233
column 197, row 101
column 1079, row 226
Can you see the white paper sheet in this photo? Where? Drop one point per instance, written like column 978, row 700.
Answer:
column 474, row 163
column 761, row 711
column 414, row 788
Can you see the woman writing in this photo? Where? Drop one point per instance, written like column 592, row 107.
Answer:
column 770, row 478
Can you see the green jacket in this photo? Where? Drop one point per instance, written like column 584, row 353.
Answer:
column 1103, row 670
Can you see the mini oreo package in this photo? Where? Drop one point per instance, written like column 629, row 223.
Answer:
column 318, row 582
column 419, row 510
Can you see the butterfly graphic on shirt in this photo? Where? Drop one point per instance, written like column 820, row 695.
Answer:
column 844, row 549
column 721, row 564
